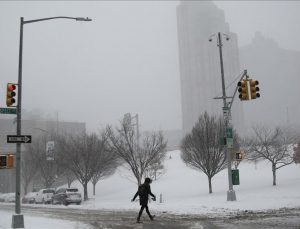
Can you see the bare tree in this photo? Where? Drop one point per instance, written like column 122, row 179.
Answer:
column 139, row 158
column 69, row 176
column 202, row 149
column 29, row 167
column 81, row 155
column 155, row 171
column 47, row 169
column 271, row 145
column 107, row 165
column 297, row 153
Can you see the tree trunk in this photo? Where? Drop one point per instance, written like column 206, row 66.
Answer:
column 94, row 188
column 274, row 173
column 209, row 184
column 139, row 180
column 25, row 188
column 85, row 191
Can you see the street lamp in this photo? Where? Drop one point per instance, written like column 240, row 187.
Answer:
column 18, row 220
column 230, row 193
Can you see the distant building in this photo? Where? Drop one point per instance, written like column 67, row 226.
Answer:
column 34, row 128
column 173, row 138
column 277, row 71
column 200, row 73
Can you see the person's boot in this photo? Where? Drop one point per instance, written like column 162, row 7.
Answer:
column 152, row 217
column 138, row 220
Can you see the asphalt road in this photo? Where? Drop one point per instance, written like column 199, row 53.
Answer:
column 101, row 219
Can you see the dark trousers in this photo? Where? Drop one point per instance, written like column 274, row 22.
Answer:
column 142, row 209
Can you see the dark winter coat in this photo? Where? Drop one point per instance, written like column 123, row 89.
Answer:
column 143, row 192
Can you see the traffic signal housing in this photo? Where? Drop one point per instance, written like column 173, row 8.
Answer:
column 11, row 94
column 6, row 161
column 254, row 89
column 243, row 90
column 239, row 156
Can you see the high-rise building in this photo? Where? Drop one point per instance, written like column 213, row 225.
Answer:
column 199, row 60
column 277, row 70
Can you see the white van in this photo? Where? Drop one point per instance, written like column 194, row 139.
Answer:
column 44, row 196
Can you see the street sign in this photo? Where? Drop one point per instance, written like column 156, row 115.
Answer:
column 229, row 142
column 18, row 138
column 50, row 151
column 4, row 110
column 229, row 132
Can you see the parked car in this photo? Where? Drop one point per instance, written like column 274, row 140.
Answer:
column 44, row 196
column 8, row 197
column 67, row 196
column 29, row 198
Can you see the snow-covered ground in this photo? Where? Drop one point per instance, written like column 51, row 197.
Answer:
column 185, row 191
column 34, row 222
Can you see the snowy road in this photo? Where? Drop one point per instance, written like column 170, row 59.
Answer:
column 107, row 219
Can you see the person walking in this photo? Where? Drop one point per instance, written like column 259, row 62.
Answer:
column 143, row 192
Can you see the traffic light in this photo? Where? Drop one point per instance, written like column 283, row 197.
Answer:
column 239, row 156
column 3, row 161
column 254, row 89
column 243, row 90
column 6, row 161
column 10, row 161
column 10, row 94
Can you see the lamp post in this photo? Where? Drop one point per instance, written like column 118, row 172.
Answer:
column 230, row 193
column 18, row 220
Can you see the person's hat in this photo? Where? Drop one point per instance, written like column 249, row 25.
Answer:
column 148, row 180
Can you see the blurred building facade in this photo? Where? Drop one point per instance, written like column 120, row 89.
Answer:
column 34, row 128
column 200, row 74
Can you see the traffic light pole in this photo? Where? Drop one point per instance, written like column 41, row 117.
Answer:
column 230, row 193
column 227, row 107
column 18, row 219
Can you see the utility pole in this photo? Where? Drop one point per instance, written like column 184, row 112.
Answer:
column 230, row 193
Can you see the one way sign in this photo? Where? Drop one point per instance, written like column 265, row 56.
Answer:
column 18, row 138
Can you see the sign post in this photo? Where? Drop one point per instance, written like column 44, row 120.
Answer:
column 50, row 151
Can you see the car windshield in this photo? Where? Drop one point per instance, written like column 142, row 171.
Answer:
column 48, row 191
column 72, row 190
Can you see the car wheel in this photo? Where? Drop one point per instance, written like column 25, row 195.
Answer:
column 65, row 203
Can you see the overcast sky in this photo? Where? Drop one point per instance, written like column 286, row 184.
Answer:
column 125, row 60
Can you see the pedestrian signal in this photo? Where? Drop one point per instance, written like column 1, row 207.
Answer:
column 239, row 156
column 3, row 161
column 6, row 161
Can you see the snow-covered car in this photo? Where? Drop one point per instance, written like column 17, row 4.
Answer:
column 29, row 198
column 44, row 196
column 8, row 197
column 67, row 196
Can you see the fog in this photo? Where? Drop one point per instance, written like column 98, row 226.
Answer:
column 125, row 60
